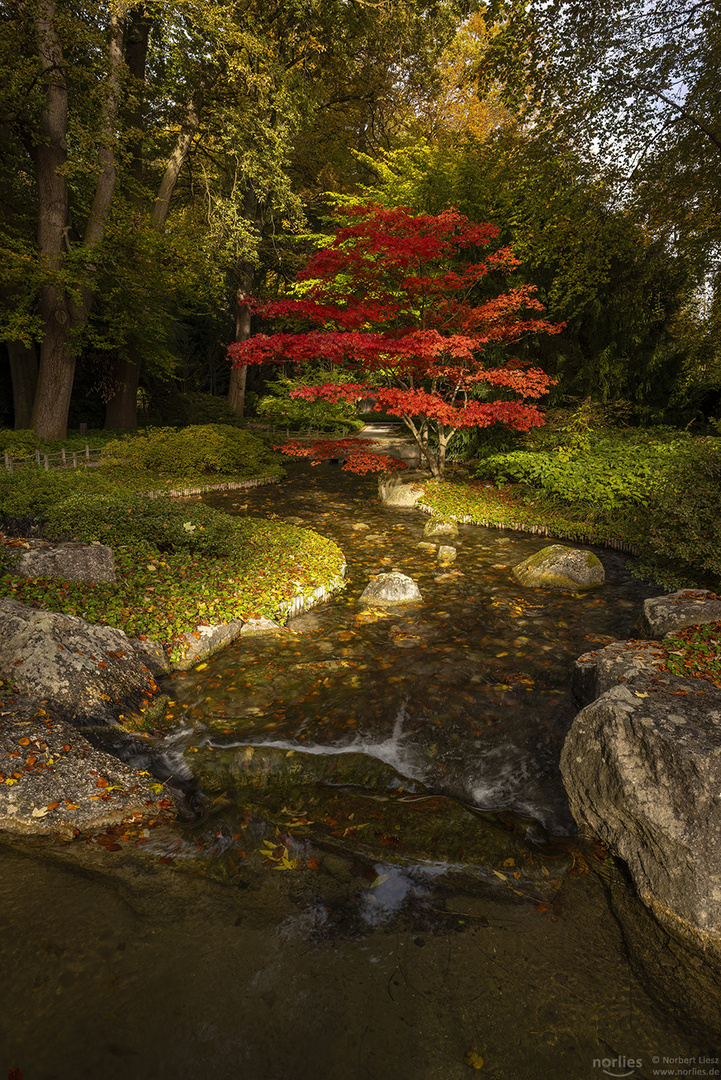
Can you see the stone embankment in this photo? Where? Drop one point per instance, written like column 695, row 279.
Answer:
column 642, row 768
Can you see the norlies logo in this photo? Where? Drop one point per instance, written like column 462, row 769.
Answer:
column 618, row 1066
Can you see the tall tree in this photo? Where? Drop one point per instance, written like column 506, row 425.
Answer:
column 405, row 301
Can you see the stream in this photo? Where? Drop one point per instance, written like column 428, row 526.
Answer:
column 378, row 876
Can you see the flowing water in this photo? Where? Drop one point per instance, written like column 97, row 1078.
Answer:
column 381, row 877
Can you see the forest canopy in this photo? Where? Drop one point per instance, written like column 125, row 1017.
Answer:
column 163, row 162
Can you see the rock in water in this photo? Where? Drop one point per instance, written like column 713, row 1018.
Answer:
column 446, row 555
column 93, row 563
column 439, row 526
column 393, row 588
column 641, row 766
column 406, row 492
column 88, row 674
column 559, row 567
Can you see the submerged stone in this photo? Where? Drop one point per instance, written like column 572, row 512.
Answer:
column 560, row 567
column 446, row 555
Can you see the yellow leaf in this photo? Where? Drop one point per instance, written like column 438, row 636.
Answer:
column 474, row 1060
column 200, row 667
column 640, row 693
column 39, row 811
column 500, row 875
column 379, row 880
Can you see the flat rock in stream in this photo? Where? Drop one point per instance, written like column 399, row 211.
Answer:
column 392, row 588
column 52, row 781
column 88, row 674
column 560, row 567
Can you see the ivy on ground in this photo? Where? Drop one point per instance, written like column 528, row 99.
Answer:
column 164, row 595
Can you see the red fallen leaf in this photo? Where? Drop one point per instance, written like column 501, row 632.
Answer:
column 312, row 864
column 541, row 909
column 31, row 760
column 53, row 805
column 15, row 1074
column 23, row 742
column 165, row 858
column 66, row 748
column 101, row 663
column 101, row 782
column 390, row 841
column 112, row 847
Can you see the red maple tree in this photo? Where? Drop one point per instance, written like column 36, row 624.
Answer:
column 397, row 298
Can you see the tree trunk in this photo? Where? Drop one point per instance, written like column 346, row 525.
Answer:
column 238, row 375
column 57, row 359
column 60, row 315
column 177, row 160
column 121, row 411
column 24, row 374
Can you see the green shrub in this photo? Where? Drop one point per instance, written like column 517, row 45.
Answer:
column 18, row 444
column 608, row 474
column 206, row 450
column 125, row 517
column 683, row 526
column 8, row 556
column 281, row 410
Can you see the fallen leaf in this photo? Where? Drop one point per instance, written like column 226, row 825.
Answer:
column 379, row 880
column 474, row 1060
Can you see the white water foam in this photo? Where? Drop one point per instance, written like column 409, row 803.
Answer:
column 392, row 751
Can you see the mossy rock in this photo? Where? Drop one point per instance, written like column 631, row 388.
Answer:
column 559, row 567
column 440, row 526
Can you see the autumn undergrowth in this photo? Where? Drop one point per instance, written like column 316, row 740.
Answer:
column 179, row 564
column 161, row 595
column 695, row 653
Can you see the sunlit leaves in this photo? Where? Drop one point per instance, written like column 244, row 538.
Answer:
column 396, row 297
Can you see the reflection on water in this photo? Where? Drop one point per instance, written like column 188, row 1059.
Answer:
column 367, row 892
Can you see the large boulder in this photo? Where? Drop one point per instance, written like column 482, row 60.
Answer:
column 395, row 491
column 559, row 567
column 87, row 674
column 392, row 588
column 642, row 765
column 668, row 614
column 54, row 781
column 92, row 563
column 621, row 662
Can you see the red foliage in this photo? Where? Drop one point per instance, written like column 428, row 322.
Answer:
column 398, row 298
column 356, row 457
